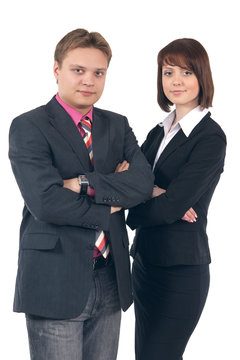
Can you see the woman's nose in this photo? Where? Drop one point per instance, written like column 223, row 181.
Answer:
column 177, row 80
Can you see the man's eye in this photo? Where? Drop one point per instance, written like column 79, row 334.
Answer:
column 78, row 71
column 99, row 73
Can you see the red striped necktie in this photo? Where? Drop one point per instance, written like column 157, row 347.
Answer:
column 101, row 240
column 87, row 137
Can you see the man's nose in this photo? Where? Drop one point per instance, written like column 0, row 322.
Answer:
column 88, row 79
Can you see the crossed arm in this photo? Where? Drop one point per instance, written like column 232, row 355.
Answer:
column 189, row 216
column 73, row 184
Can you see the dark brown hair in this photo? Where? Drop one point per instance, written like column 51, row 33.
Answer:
column 81, row 38
column 191, row 55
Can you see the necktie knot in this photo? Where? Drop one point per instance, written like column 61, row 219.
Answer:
column 86, row 127
column 86, row 124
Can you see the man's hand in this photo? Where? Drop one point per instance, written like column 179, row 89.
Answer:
column 72, row 184
column 157, row 191
column 122, row 166
column 115, row 209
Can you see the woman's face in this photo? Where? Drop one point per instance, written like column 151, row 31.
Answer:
column 180, row 86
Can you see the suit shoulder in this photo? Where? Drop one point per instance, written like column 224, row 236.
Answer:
column 208, row 127
column 154, row 131
column 215, row 128
column 108, row 114
column 32, row 116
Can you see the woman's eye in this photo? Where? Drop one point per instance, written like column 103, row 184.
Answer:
column 187, row 72
column 78, row 71
column 167, row 73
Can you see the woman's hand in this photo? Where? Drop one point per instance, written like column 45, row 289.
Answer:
column 190, row 216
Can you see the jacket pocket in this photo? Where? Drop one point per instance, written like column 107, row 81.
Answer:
column 39, row 241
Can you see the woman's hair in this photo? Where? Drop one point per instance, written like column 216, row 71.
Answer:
column 81, row 38
column 191, row 55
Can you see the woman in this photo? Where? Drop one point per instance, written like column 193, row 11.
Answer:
column 171, row 256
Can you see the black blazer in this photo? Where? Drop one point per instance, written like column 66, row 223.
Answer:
column 58, row 229
column 189, row 169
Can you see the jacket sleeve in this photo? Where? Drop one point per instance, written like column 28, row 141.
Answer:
column 41, row 185
column 127, row 188
column 201, row 171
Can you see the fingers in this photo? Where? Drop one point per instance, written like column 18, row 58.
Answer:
column 157, row 191
column 72, row 184
column 190, row 216
column 122, row 166
column 115, row 209
column 193, row 212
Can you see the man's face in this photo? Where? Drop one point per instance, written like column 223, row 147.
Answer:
column 81, row 77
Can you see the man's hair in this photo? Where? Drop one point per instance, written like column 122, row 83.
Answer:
column 81, row 38
column 191, row 55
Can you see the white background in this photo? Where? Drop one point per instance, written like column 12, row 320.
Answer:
column 136, row 31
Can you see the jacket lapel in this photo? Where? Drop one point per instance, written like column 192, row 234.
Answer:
column 100, row 139
column 179, row 139
column 172, row 146
column 151, row 145
column 63, row 123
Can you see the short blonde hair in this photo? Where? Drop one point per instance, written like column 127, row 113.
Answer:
column 81, row 38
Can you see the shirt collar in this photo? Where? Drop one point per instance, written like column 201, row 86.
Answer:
column 188, row 122
column 75, row 115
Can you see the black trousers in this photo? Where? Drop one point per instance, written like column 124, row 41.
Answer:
column 168, row 302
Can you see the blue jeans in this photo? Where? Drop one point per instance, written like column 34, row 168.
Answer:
column 93, row 335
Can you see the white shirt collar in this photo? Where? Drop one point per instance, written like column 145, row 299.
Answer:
column 188, row 122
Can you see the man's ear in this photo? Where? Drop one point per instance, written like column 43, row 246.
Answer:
column 56, row 68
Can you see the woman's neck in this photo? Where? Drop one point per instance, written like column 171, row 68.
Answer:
column 182, row 111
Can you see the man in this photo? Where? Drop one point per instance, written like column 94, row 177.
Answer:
column 74, row 271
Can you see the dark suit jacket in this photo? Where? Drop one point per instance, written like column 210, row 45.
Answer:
column 189, row 169
column 58, row 229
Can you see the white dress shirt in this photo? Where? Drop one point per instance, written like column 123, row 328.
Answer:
column 187, row 124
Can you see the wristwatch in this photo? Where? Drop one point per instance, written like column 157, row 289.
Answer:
column 83, row 182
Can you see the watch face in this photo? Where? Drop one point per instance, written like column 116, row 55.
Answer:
column 83, row 179
column 83, row 182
